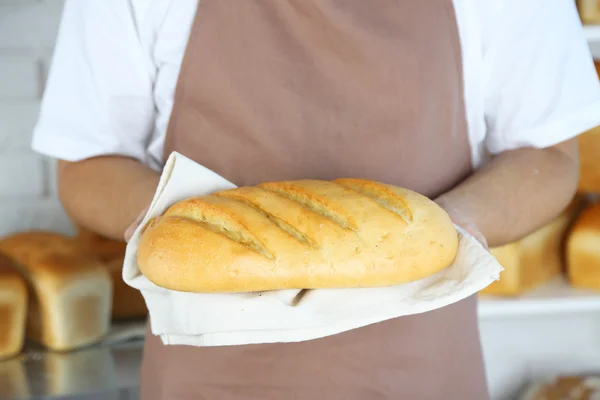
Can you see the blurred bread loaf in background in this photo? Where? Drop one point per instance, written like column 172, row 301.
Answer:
column 105, row 249
column 70, row 289
column 127, row 302
column 565, row 387
column 583, row 250
column 589, row 151
column 589, row 160
column 535, row 259
column 13, row 309
column 589, row 11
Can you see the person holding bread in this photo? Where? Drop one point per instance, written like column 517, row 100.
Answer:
column 474, row 104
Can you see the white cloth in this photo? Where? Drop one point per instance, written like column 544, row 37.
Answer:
column 528, row 76
column 273, row 316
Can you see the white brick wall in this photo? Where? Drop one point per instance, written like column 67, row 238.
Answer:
column 27, row 184
column 19, row 78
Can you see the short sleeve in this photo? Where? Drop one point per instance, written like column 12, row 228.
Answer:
column 541, row 87
column 98, row 98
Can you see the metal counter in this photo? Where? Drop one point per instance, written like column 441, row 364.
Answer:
column 102, row 372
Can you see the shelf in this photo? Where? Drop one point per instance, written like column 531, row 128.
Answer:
column 592, row 33
column 105, row 370
column 557, row 297
column 98, row 372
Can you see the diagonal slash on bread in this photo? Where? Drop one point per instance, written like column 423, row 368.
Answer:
column 303, row 234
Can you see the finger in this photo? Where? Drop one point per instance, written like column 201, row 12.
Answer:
column 479, row 237
column 472, row 230
column 129, row 232
column 482, row 240
column 132, row 228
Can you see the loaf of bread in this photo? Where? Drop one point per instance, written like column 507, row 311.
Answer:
column 71, row 290
column 308, row 234
column 564, row 388
column 589, row 161
column 128, row 303
column 13, row 309
column 589, row 10
column 106, row 249
column 535, row 259
column 589, row 154
column 583, row 250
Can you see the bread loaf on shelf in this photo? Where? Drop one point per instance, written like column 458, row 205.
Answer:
column 535, row 259
column 589, row 11
column 589, row 161
column 564, row 388
column 13, row 309
column 583, row 250
column 127, row 302
column 589, row 152
column 106, row 249
column 71, row 290
column 298, row 234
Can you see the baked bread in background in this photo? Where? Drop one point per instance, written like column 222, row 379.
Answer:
column 535, row 259
column 589, row 161
column 13, row 309
column 71, row 291
column 589, row 11
column 589, row 151
column 106, row 249
column 583, row 250
column 564, row 388
column 305, row 234
column 127, row 302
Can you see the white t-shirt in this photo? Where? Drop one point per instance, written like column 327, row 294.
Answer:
column 529, row 79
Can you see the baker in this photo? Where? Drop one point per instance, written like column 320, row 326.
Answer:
column 472, row 103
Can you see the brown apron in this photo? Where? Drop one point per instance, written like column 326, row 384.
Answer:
column 289, row 89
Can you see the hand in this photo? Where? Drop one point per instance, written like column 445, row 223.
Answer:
column 131, row 229
column 462, row 220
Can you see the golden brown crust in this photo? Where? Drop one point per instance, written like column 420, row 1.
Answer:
column 298, row 234
column 583, row 250
column 13, row 309
column 70, row 289
column 589, row 160
column 565, row 388
column 589, row 156
column 535, row 259
column 50, row 256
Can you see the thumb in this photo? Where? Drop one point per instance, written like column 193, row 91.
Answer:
column 132, row 228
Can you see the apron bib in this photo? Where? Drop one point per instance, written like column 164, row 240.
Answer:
column 322, row 89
